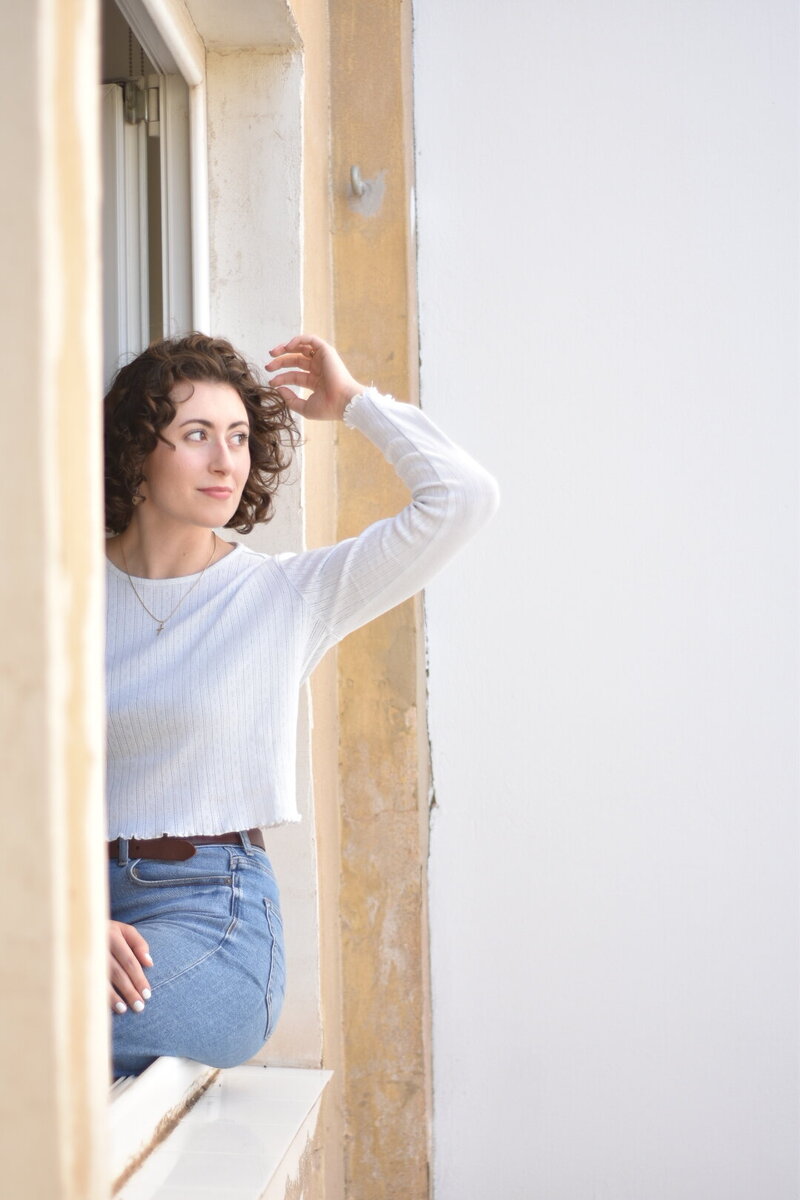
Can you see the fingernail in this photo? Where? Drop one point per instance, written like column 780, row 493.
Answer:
column 149, row 959
column 138, row 1006
column 146, row 993
column 120, row 1007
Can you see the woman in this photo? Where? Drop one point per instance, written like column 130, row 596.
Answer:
column 208, row 645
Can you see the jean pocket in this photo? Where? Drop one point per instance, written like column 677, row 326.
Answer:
column 276, row 979
column 176, row 889
column 152, row 872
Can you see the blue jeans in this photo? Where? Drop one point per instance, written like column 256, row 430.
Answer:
column 213, row 924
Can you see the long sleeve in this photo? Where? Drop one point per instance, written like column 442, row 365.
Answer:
column 352, row 582
column 202, row 720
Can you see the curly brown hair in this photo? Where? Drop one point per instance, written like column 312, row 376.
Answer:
column 137, row 407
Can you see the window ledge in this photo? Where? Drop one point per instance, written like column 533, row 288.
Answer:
column 144, row 1109
column 242, row 1139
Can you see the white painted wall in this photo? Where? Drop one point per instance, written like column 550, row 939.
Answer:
column 608, row 208
column 256, row 265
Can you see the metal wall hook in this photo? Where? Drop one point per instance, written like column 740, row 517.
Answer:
column 356, row 182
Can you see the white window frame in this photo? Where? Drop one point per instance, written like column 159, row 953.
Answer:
column 126, row 322
column 169, row 39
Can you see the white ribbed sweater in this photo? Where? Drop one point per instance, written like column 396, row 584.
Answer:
column 202, row 718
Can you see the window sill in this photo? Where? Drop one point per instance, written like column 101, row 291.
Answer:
column 144, row 1109
column 237, row 1134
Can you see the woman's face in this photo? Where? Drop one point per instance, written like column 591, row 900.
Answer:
column 200, row 480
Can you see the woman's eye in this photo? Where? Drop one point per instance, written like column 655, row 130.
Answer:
column 200, row 435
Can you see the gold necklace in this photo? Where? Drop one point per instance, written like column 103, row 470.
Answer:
column 162, row 621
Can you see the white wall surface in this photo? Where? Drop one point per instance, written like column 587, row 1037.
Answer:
column 608, row 206
column 256, row 265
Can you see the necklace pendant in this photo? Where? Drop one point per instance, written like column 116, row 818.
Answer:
column 161, row 624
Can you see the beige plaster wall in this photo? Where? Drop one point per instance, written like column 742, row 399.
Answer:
column 369, row 744
column 320, row 508
column 383, row 775
column 52, row 1043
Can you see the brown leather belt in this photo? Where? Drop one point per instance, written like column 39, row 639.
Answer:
column 178, row 849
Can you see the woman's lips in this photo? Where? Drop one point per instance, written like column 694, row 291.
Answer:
column 220, row 493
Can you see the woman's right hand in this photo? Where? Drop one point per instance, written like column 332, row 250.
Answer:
column 128, row 952
column 317, row 366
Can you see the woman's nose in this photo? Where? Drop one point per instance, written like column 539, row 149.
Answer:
column 221, row 459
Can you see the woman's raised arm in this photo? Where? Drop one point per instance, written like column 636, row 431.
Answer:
column 348, row 584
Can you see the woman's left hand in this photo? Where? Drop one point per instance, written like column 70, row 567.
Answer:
column 308, row 362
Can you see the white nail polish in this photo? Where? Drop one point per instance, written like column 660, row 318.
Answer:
column 138, row 1006
column 120, row 1007
column 146, row 993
